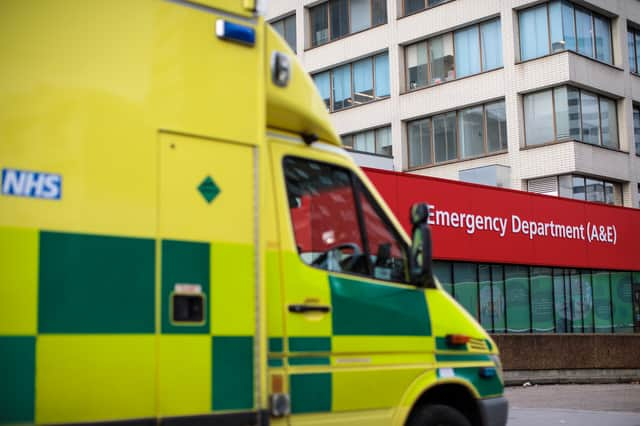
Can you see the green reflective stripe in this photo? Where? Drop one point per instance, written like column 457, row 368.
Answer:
column 364, row 308
column 275, row 362
column 461, row 357
column 275, row 344
column 486, row 387
column 17, row 379
column 441, row 344
column 310, row 393
column 309, row 344
column 232, row 373
column 184, row 262
column 96, row 284
column 489, row 345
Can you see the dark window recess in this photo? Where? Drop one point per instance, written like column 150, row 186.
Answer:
column 188, row 308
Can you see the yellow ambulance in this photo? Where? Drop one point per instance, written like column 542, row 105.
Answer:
column 183, row 241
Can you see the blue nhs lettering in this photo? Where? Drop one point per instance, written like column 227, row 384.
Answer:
column 31, row 184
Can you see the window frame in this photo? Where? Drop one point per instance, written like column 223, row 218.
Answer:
column 283, row 19
column 555, row 129
column 485, row 142
column 349, row 32
column 375, row 140
column 426, row 7
column 604, row 183
column 450, row 34
column 358, row 188
column 375, row 98
column 574, row 7
column 636, row 37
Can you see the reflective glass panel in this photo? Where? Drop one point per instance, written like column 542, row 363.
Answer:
column 323, row 85
column 496, row 127
column 319, row 24
column 362, row 81
column 609, row 123
column 339, row 15
column 444, row 137
column 419, row 143
column 603, row 38
column 360, row 15
column 383, row 141
column 491, row 39
column 441, row 59
column 341, row 77
column 534, row 32
column 382, row 75
column 471, row 130
column 538, row 118
column 467, row 57
column 417, row 65
column 584, row 27
column 590, row 118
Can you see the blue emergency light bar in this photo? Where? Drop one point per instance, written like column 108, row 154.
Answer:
column 235, row 32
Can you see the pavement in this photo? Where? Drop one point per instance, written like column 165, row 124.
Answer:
column 579, row 405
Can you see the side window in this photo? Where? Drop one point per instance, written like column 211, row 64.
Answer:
column 337, row 225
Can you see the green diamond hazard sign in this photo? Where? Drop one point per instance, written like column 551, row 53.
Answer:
column 208, row 189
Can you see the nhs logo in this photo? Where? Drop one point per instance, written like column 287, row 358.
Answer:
column 24, row 183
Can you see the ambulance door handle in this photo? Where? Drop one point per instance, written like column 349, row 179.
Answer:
column 301, row 309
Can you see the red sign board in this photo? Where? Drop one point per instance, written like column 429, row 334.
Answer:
column 480, row 223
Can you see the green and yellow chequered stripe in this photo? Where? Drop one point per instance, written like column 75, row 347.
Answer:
column 79, row 337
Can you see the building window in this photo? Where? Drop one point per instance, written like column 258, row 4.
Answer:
column 636, row 128
column 457, row 135
column 286, row 27
column 413, row 6
column 567, row 113
column 596, row 190
column 477, row 48
column 356, row 83
column 633, row 44
column 532, row 299
column 375, row 141
column 337, row 18
column 560, row 25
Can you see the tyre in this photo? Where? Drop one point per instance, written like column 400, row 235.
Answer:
column 438, row 415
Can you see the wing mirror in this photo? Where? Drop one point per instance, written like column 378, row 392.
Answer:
column 420, row 258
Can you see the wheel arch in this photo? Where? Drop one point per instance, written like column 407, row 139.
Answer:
column 429, row 389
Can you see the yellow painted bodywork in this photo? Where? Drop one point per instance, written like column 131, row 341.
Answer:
column 134, row 103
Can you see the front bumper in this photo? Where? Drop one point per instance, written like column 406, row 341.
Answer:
column 494, row 411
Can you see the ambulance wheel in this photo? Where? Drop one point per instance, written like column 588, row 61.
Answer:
column 438, row 415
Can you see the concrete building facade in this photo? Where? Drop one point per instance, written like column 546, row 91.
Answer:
column 559, row 80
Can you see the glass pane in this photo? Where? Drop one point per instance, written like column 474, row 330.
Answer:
column 491, row 38
column 636, row 128
column 590, row 118
column 382, row 75
column 362, row 81
column 496, row 127
column 471, row 132
column 467, row 51
column 567, row 102
column 444, row 137
column 411, row 6
column 419, row 144
column 542, row 300
column 341, row 77
column 385, row 249
column 484, row 283
column 538, row 118
column 323, row 213
column 555, row 26
column 441, row 57
column 364, row 142
column 632, row 52
column 575, row 292
column 622, row 302
column 360, row 15
column 534, row 33
column 497, row 288
column 466, row 286
column 609, row 122
column 638, row 52
column 609, row 195
column 379, row 12
column 595, row 190
column 579, row 190
column 517, row 287
column 587, row 302
column 339, row 13
column 383, row 141
column 417, row 65
column 602, row 302
column 584, row 26
column 442, row 271
column 561, row 308
column 347, row 141
column 290, row 31
column 569, row 26
column 319, row 24
column 279, row 27
column 435, row 2
column 322, row 83
column 603, row 38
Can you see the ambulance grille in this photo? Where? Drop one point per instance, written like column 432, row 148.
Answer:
column 477, row 345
